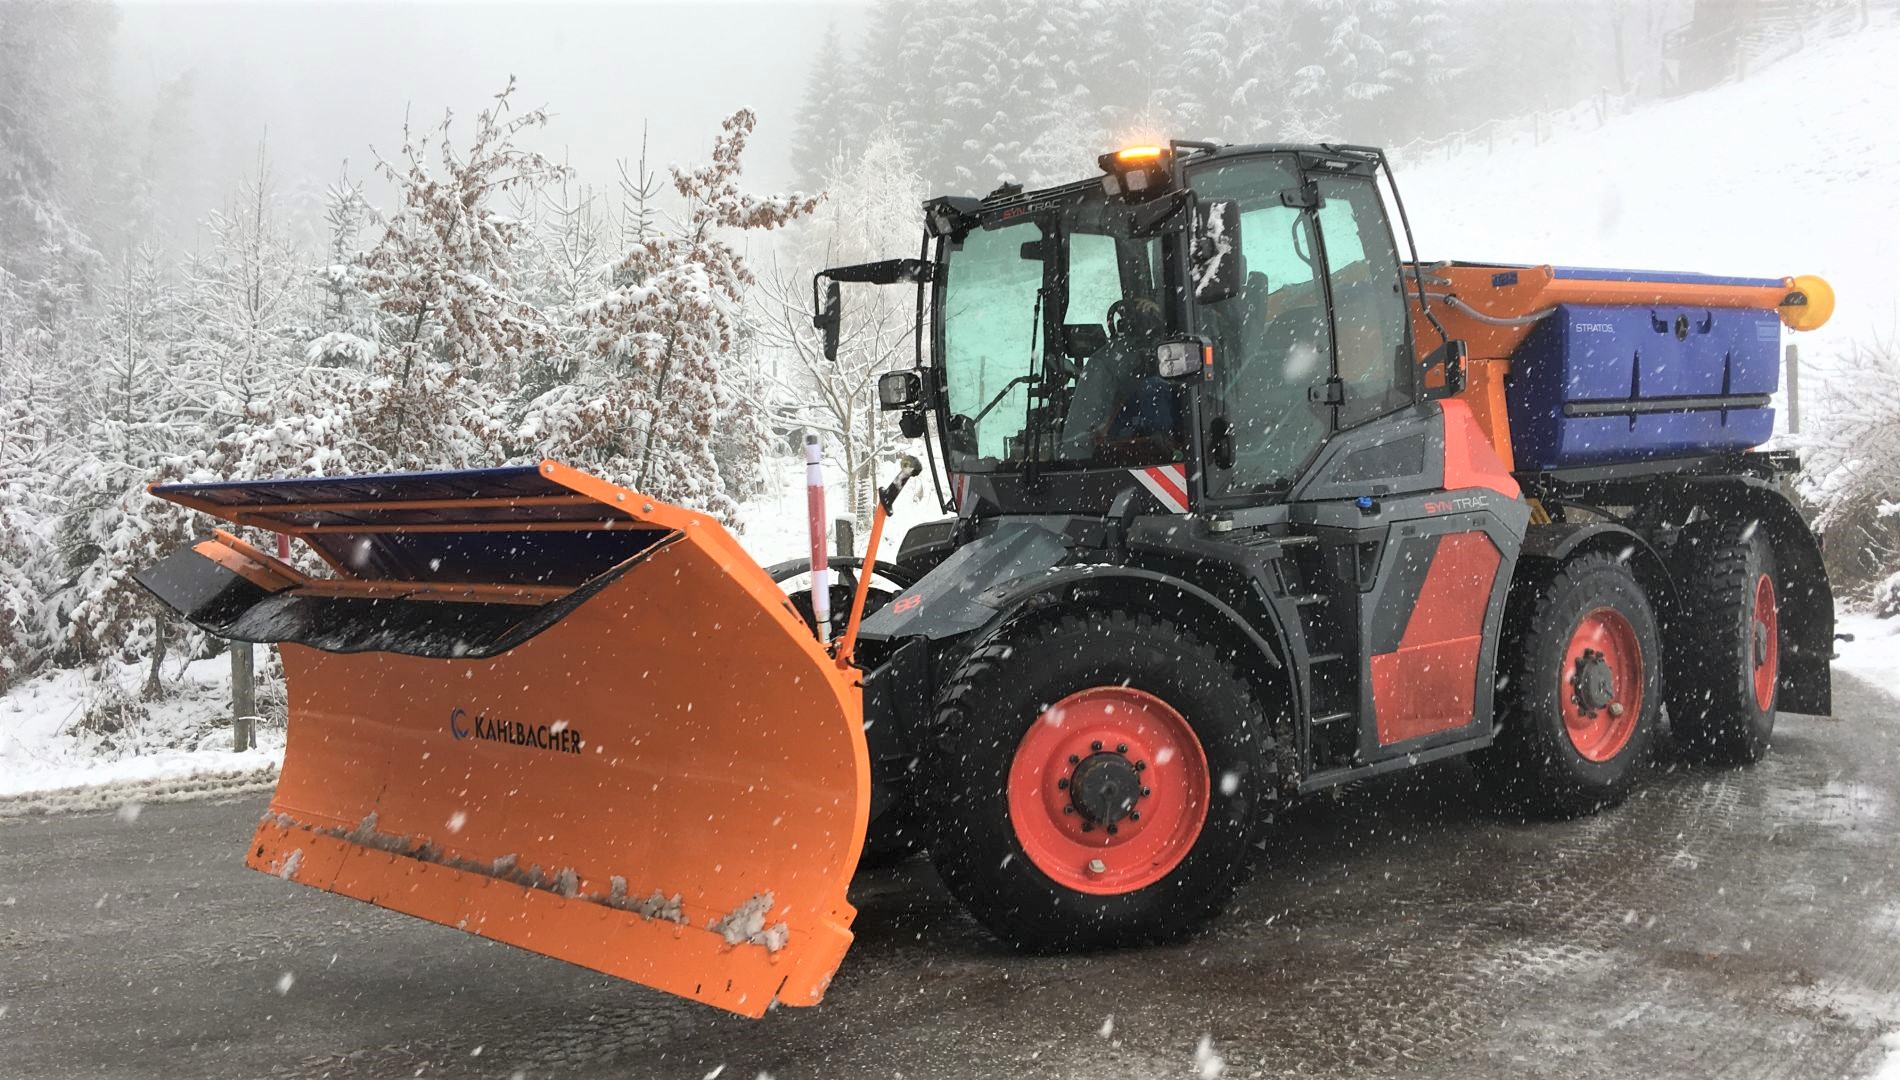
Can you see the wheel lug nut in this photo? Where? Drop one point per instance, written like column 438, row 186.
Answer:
column 1145, row 793
column 1121, row 748
column 1068, row 809
column 1096, row 745
column 1062, row 783
column 1112, row 830
column 1088, row 827
column 1134, row 815
column 1073, row 760
column 1141, row 766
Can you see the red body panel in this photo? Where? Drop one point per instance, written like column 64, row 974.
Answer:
column 1429, row 683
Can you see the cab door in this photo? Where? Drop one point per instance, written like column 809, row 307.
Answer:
column 1410, row 501
column 1264, row 415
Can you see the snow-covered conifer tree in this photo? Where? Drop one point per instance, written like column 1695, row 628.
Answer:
column 346, row 332
column 826, row 114
column 248, row 300
column 141, row 426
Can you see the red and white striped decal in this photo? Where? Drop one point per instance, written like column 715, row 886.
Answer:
column 960, row 486
column 1167, row 483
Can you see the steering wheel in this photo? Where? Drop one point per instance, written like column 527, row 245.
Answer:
column 1134, row 316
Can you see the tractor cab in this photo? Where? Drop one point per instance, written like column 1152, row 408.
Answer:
column 1191, row 326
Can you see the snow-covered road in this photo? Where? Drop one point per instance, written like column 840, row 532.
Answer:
column 1720, row 924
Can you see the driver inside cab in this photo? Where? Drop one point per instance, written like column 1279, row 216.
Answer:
column 1123, row 412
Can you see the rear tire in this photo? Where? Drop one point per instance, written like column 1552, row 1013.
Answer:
column 1058, row 729
column 1727, row 652
column 1580, row 691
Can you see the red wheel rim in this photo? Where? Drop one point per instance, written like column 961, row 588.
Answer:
column 1084, row 751
column 1601, row 685
column 1764, row 643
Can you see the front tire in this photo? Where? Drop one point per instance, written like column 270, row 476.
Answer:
column 894, row 835
column 1728, row 650
column 1095, row 781
column 1580, row 692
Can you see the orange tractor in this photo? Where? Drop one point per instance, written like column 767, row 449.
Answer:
column 1240, row 506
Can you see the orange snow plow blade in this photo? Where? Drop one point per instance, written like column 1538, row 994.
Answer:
column 549, row 711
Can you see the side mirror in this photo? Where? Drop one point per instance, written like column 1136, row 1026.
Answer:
column 900, row 390
column 1214, row 259
column 829, row 317
column 1448, row 360
column 1181, row 358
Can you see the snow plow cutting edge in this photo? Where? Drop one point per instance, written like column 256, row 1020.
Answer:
column 552, row 712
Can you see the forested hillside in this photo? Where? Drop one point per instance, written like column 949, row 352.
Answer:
column 1034, row 90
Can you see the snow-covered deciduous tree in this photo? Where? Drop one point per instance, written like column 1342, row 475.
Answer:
column 870, row 212
column 456, row 332
column 644, row 406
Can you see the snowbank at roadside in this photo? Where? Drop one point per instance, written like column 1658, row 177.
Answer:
column 1873, row 655
column 45, row 744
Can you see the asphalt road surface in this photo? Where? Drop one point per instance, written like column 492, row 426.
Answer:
column 1735, row 924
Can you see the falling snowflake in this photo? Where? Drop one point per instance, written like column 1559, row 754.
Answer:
column 1208, row 1065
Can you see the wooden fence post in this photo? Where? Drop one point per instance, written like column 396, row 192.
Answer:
column 243, row 697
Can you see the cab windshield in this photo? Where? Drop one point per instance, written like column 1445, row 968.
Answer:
column 1049, row 324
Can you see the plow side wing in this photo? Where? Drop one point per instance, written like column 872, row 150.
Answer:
column 619, row 746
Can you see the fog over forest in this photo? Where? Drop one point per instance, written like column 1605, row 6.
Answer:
column 322, row 82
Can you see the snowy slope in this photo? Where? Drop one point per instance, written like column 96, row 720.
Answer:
column 1795, row 170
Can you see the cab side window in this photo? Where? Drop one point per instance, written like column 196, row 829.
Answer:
column 1370, row 319
column 1272, row 346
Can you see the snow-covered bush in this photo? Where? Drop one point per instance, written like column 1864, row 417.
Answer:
column 1851, row 466
column 1886, row 595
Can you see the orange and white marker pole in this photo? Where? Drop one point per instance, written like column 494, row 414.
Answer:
column 815, row 516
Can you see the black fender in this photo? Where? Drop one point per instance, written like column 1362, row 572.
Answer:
column 1176, row 599
column 897, row 575
column 1557, row 542
column 1806, row 599
column 1261, row 661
